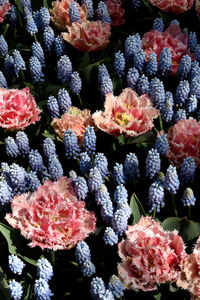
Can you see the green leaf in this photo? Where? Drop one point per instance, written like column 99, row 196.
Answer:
column 47, row 134
column 191, row 230
column 172, row 223
column 158, row 296
column 85, row 61
column 88, row 70
column 45, row 4
column 137, row 209
column 187, row 229
column 173, row 289
column 4, row 292
column 121, row 139
column 16, row 242
column 148, row 137
column 6, row 231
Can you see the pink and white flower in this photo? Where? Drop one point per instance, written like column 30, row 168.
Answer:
column 52, row 217
column 190, row 275
column 88, row 36
column 75, row 119
column 60, row 13
column 150, row 256
column 4, row 8
column 172, row 38
column 18, row 109
column 127, row 114
column 173, row 6
column 116, row 12
column 184, row 141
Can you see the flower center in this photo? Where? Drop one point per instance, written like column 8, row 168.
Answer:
column 123, row 118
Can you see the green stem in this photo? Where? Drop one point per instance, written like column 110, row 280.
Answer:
column 80, row 100
column 5, row 30
column 154, row 212
column 174, row 205
column 160, row 121
column 35, row 38
column 53, row 258
column 189, row 212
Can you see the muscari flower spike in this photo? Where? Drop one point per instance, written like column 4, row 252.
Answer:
column 132, row 78
column 82, row 252
column 180, row 115
column 48, row 38
column 94, row 179
column 131, row 167
column 80, row 188
column 85, row 163
column 102, row 12
column 3, row 82
column 192, row 41
column 119, row 221
column 3, row 46
column 15, row 264
column 38, row 52
column 35, row 67
column 90, row 9
column 151, row 65
column 44, row 269
column 142, row 85
column 187, row 170
column 89, row 140
column 101, row 163
column 35, row 160
column 32, row 181
column 18, row 62
column 165, row 61
column 171, row 182
column 53, row 108
column 184, row 67
column 182, row 92
column 107, row 210
column 55, row 168
column 72, row 148
column 74, row 14
column 75, row 83
column 106, row 85
column 12, row 149
column 59, row 45
column 22, row 142
column 139, row 59
column 157, row 92
column 42, row 290
column 97, row 287
column 88, row 268
column 49, row 148
column 153, row 163
column 110, row 237
column 191, row 104
column 158, row 25
column 15, row 290
column 44, row 17
column 168, row 107
column 102, row 72
column 116, row 287
column 118, row 174
column 161, row 144
column 5, row 193
column 156, row 196
column 102, row 195
column 119, row 63
column 31, row 27
column 188, row 198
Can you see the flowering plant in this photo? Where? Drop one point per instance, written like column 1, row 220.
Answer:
column 102, row 189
